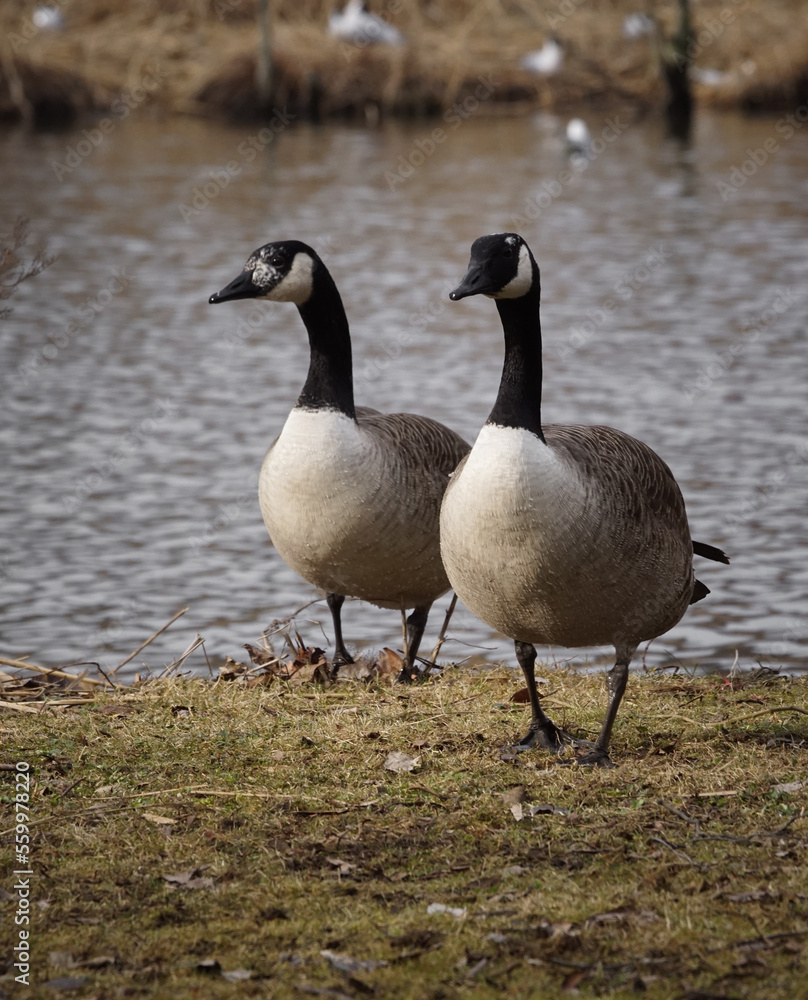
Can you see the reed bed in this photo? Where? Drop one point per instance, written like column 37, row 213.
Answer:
column 203, row 54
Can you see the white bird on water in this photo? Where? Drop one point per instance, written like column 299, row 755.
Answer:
column 48, row 18
column 355, row 23
column 579, row 141
column 637, row 25
column 545, row 61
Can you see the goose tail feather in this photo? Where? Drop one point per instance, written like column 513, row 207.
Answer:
column 710, row 552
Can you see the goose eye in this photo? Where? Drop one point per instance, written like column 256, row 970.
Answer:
column 276, row 261
column 507, row 253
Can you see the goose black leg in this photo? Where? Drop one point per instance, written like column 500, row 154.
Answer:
column 616, row 680
column 341, row 654
column 543, row 731
column 416, row 623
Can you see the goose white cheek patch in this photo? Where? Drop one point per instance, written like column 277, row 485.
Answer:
column 297, row 285
column 520, row 283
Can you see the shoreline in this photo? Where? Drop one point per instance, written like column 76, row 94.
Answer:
column 205, row 62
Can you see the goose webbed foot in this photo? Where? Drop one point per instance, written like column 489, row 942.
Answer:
column 546, row 735
column 542, row 733
column 595, row 758
column 341, row 659
column 410, row 675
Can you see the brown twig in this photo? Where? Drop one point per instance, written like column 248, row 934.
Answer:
column 53, row 671
column 151, row 638
column 442, row 634
column 757, row 715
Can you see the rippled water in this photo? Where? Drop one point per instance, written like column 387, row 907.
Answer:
column 135, row 416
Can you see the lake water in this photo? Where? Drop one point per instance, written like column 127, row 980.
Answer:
column 135, row 416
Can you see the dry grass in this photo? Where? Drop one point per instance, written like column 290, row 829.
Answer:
column 184, row 829
column 204, row 51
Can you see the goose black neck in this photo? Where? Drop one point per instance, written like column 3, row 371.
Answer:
column 518, row 401
column 329, row 383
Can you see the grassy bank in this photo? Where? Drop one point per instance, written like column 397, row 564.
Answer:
column 248, row 837
column 199, row 57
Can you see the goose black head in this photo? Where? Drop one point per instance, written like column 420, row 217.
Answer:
column 501, row 267
column 282, row 272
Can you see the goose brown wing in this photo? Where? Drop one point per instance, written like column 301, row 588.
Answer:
column 421, row 444
column 633, row 481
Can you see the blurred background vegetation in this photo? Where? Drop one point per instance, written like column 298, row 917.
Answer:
column 66, row 59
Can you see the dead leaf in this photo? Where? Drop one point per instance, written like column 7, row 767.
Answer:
column 62, row 960
column 117, row 710
column 161, row 820
column 514, row 795
column 388, row 664
column 232, row 669
column 790, row 787
column 521, row 809
column 343, row 867
column 520, row 697
column 182, row 711
column 749, row 897
column 190, row 879
column 623, row 915
column 99, row 962
column 66, row 983
column 260, row 656
column 515, row 870
column 572, row 980
column 237, row 975
column 351, row 965
column 418, row 939
column 400, row 762
column 458, row 912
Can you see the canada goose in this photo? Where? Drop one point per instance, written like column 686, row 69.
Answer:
column 350, row 497
column 355, row 23
column 560, row 534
